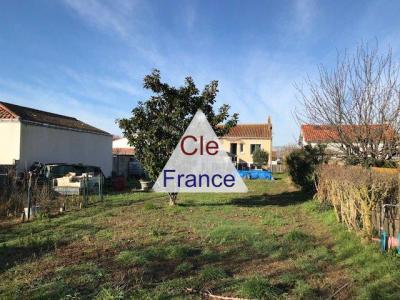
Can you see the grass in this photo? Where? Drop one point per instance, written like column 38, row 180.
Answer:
column 272, row 243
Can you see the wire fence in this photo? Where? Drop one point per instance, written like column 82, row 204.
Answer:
column 29, row 196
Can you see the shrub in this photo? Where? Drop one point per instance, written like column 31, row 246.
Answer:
column 302, row 164
column 368, row 162
column 260, row 157
column 355, row 194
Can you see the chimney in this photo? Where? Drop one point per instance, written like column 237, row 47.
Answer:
column 269, row 122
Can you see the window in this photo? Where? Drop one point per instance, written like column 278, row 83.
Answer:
column 241, row 148
column 253, row 147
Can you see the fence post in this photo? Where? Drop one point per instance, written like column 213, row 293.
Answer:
column 85, row 191
column 29, row 194
column 101, row 187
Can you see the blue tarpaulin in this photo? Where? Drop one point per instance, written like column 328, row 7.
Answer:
column 256, row 174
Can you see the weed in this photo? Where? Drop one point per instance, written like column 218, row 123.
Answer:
column 110, row 294
column 303, row 290
column 183, row 268
column 274, row 220
column 258, row 288
column 211, row 273
column 228, row 234
column 149, row 206
column 156, row 232
column 208, row 255
column 130, row 258
column 181, row 251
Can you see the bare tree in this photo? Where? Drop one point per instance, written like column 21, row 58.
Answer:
column 360, row 102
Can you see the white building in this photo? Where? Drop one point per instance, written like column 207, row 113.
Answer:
column 328, row 135
column 28, row 135
column 320, row 134
column 124, row 160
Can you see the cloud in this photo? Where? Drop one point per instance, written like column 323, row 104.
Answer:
column 190, row 15
column 104, row 17
column 305, row 12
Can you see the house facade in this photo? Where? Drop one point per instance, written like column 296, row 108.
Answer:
column 314, row 135
column 243, row 139
column 29, row 135
column 328, row 135
column 124, row 161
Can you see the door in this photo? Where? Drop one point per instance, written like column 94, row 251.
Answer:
column 233, row 152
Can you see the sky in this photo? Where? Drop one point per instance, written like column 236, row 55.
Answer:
column 87, row 58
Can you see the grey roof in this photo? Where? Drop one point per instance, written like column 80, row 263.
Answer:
column 47, row 118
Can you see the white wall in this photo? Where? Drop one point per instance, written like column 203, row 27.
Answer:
column 121, row 143
column 55, row 145
column 10, row 132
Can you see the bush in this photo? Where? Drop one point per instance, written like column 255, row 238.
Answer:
column 355, row 194
column 302, row 164
column 370, row 162
column 260, row 157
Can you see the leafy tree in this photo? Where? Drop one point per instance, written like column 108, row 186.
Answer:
column 260, row 157
column 157, row 124
column 302, row 164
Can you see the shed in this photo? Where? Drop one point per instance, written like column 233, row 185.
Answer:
column 28, row 135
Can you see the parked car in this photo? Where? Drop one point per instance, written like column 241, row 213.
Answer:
column 48, row 172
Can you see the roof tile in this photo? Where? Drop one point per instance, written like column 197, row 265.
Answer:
column 329, row 133
column 263, row 131
column 42, row 117
column 123, row 151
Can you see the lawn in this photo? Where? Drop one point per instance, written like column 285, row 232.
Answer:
column 272, row 243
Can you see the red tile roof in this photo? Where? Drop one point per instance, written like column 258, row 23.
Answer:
column 12, row 111
column 123, row 151
column 6, row 113
column 329, row 134
column 259, row 131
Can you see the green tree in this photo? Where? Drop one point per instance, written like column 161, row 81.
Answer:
column 157, row 124
column 260, row 157
column 302, row 164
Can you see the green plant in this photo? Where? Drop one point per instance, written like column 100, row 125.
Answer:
column 211, row 273
column 368, row 162
column 183, row 268
column 302, row 164
column 260, row 157
column 259, row 288
column 181, row 251
column 130, row 257
column 110, row 294
column 149, row 205
column 303, row 290
column 228, row 234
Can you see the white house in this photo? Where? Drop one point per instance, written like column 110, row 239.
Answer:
column 320, row 134
column 329, row 136
column 29, row 135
